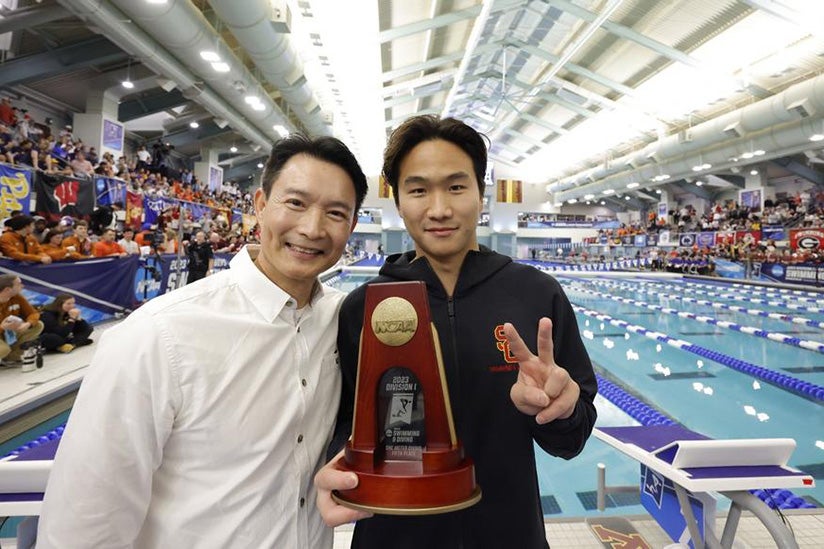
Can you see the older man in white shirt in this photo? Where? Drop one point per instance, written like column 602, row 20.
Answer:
column 205, row 415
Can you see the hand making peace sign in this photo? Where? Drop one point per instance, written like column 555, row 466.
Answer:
column 543, row 389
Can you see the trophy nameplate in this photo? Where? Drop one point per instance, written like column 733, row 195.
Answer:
column 403, row 445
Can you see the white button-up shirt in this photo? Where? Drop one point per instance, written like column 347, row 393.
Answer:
column 201, row 423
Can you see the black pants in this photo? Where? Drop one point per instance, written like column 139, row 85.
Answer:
column 195, row 275
column 79, row 336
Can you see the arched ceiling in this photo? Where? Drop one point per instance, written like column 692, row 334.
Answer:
column 563, row 88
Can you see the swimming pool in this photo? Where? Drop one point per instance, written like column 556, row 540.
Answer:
column 700, row 391
column 616, row 316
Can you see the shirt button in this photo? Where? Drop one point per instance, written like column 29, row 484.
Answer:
column 300, row 439
column 290, row 303
column 298, row 329
column 303, row 382
column 302, row 502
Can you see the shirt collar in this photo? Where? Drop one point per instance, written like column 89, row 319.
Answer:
column 268, row 298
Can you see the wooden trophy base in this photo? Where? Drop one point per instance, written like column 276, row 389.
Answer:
column 400, row 488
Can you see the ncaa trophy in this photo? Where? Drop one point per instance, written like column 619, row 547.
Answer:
column 403, row 445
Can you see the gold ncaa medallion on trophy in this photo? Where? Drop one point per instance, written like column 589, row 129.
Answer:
column 403, row 445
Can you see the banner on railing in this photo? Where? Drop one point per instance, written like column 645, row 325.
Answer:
column 109, row 190
column 59, row 195
column 807, row 239
column 15, row 190
column 800, row 273
column 160, row 274
column 104, row 283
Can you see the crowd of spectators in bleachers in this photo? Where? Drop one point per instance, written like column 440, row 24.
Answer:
column 148, row 172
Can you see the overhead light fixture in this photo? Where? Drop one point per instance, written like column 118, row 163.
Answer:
column 251, row 99
column 609, row 191
column 753, row 172
column 260, row 164
column 747, row 155
column 282, row 131
column 589, row 196
column 220, row 66
column 627, row 197
column 210, row 56
column 657, row 191
column 817, row 137
column 572, row 201
column 603, row 203
column 699, row 183
column 701, row 167
column 759, row 152
column 633, row 185
column 128, row 84
column 233, row 149
column 194, row 124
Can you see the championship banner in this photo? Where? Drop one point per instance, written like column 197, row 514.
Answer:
column 664, row 238
column 748, row 237
column 197, row 210
column 686, row 240
column 249, row 222
column 60, row 195
column 640, row 240
column 161, row 274
column 225, row 213
column 800, row 273
column 807, row 239
column 724, row 239
column 652, row 239
column 15, row 190
column 705, row 240
column 109, row 190
column 773, row 232
column 384, row 189
column 134, row 210
column 510, row 190
column 104, row 283
column 153, row 207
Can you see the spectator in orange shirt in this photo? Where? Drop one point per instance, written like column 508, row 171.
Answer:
column 106, row 246
column 52, row 246
column 18, row 242
column 19, row 321
column 79, row 242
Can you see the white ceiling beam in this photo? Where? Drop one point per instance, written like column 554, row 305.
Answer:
column 428, row 24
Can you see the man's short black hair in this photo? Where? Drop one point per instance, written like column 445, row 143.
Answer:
column 328, row 149
column 418, row 129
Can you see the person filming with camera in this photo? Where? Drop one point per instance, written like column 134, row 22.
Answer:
column 201, row 257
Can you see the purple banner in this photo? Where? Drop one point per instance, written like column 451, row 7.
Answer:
column 705, row 240
column 101, row 283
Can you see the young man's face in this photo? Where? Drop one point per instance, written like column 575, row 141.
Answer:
column 439, row 200
column 305, row 222
column 81, row 231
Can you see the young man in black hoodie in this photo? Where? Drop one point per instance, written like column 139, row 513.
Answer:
column 503, row 397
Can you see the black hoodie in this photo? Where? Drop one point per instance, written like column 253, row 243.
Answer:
column 490, row 291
